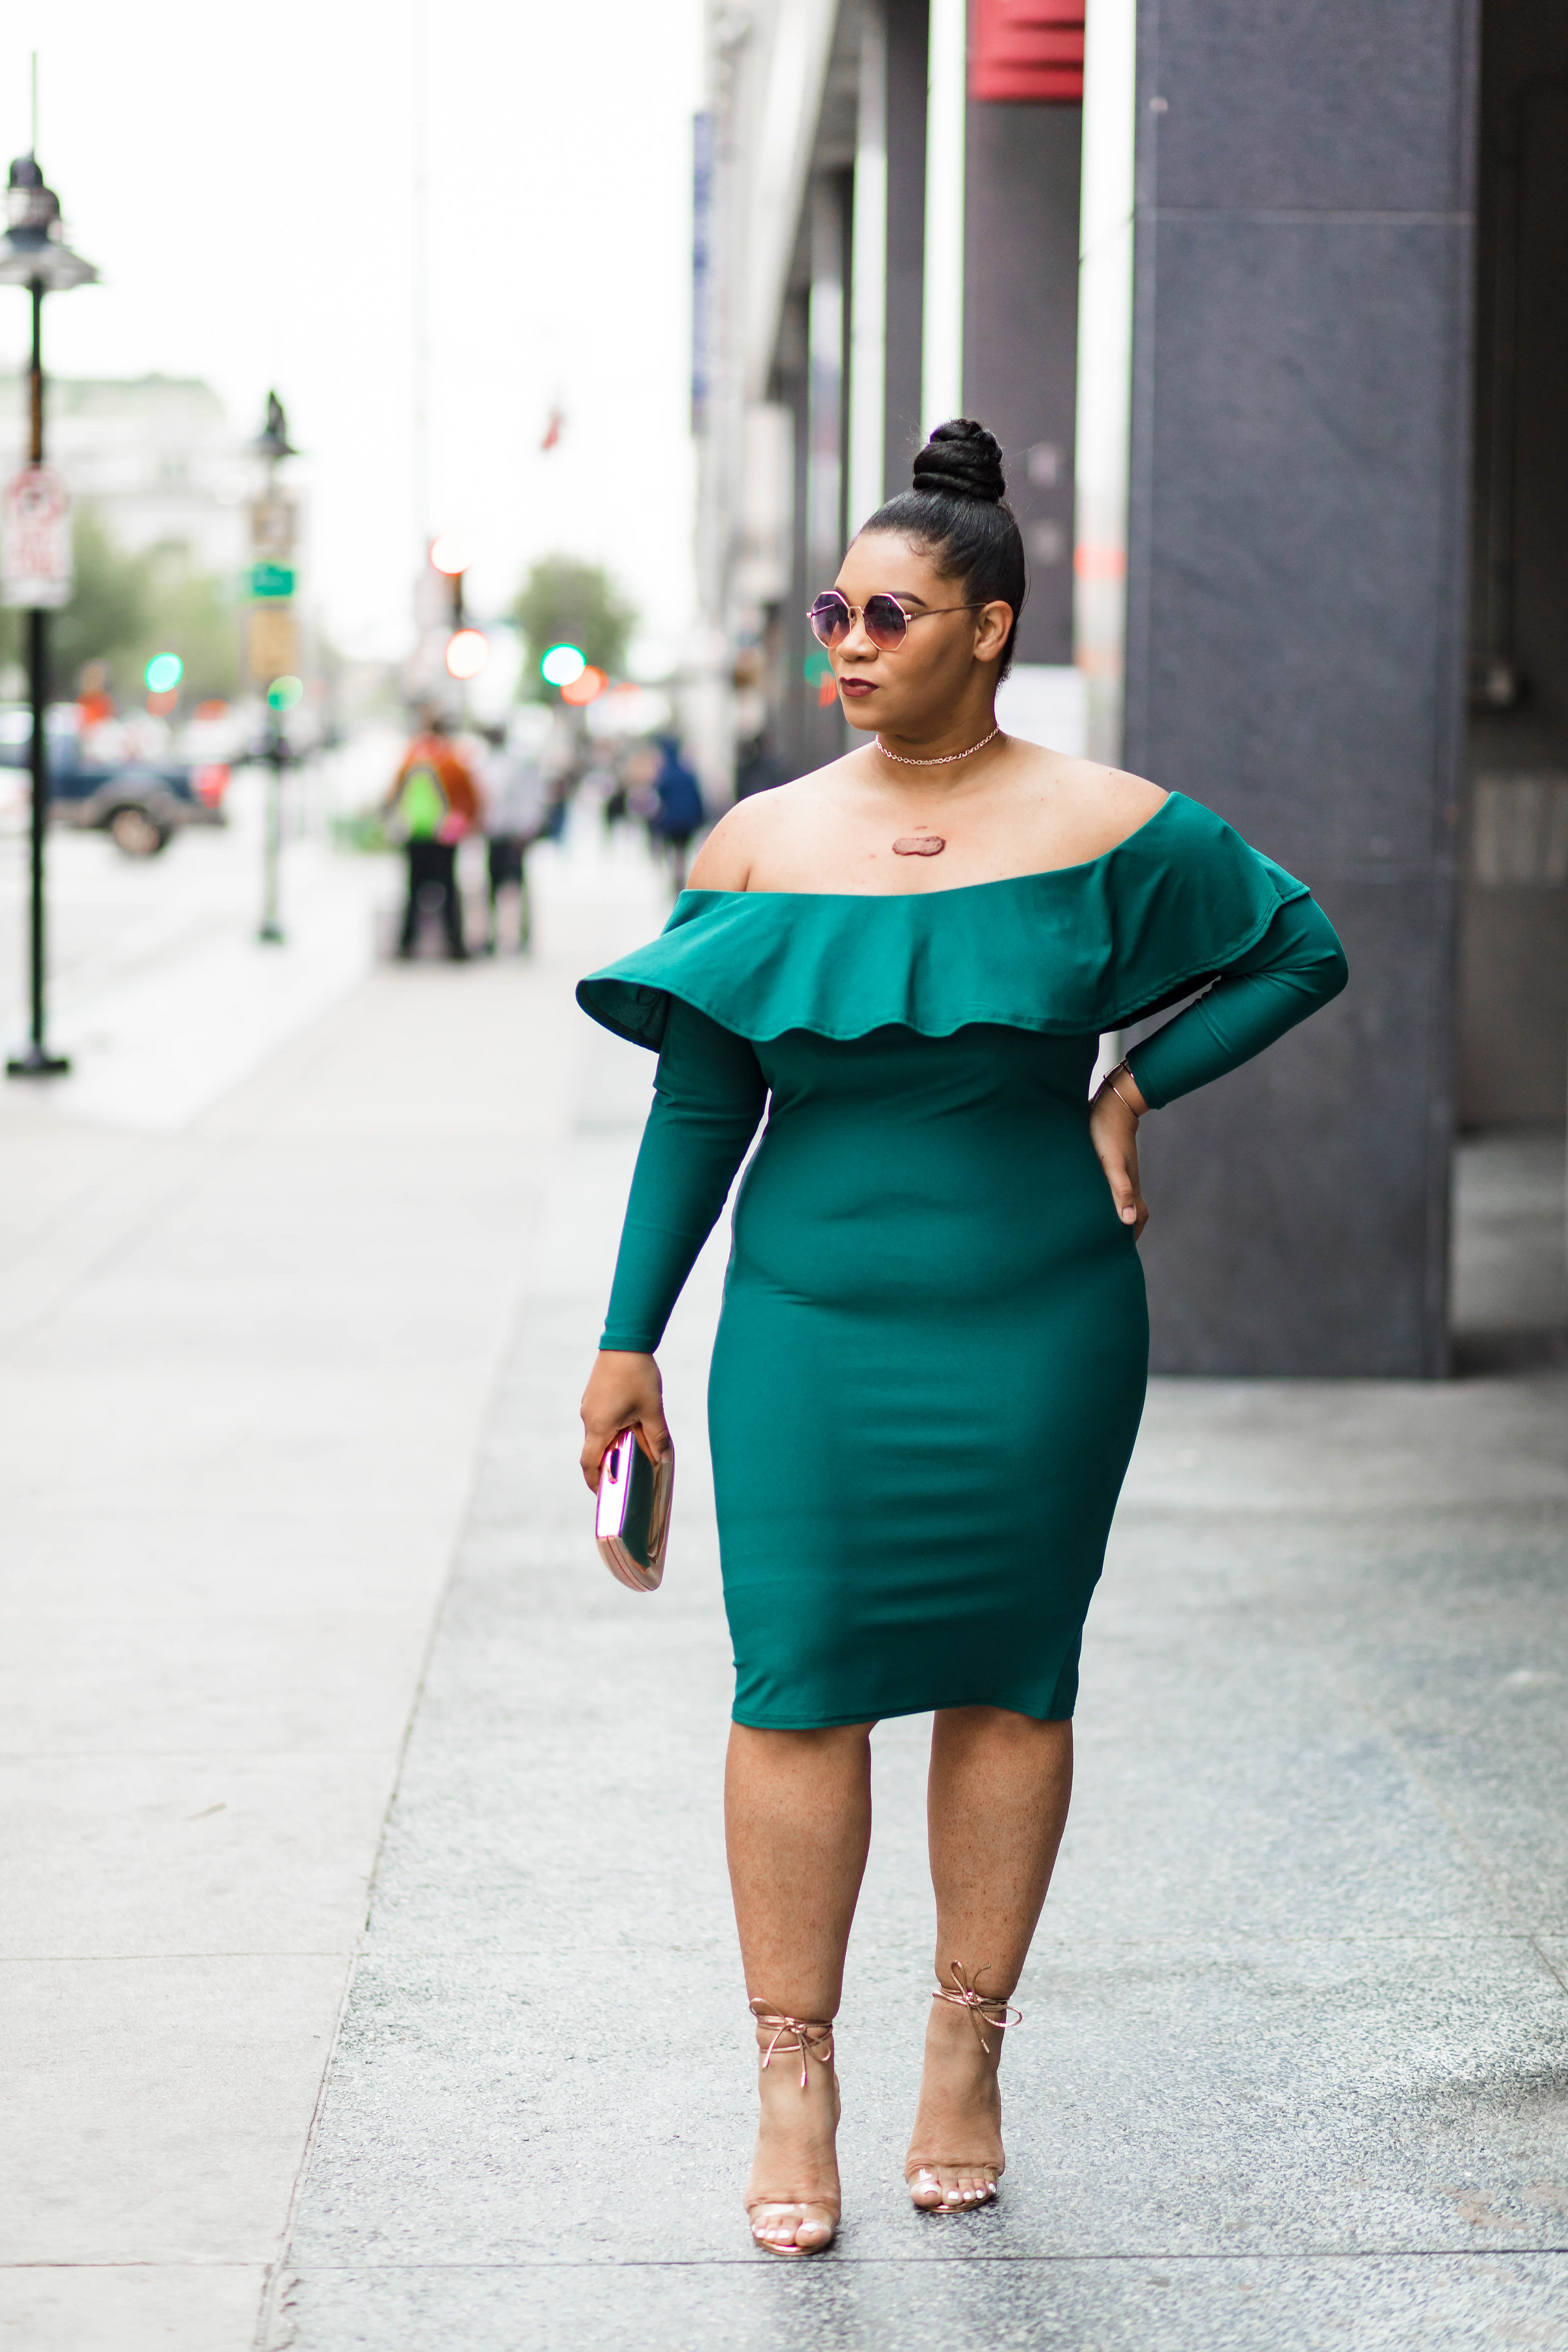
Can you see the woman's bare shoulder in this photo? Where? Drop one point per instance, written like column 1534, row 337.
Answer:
column 1101, row 805
column 745, row 834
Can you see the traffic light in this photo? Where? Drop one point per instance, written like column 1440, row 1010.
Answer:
column 563, row 664
column 466, row 654
column 468, row 650
column 585, row 687
column 449, row 553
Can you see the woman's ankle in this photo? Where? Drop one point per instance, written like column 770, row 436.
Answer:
column 965, row 2014
column 950, row 2035
column 793, row 2042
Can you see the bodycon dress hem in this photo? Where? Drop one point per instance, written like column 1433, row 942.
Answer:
column 979, row 1690
column 895, row 1714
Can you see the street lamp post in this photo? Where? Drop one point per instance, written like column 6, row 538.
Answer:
column 33, row 253
column 273, row 645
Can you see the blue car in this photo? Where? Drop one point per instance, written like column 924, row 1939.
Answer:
column 140, row 803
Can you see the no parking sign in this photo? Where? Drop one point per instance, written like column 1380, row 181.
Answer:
column 36, row 540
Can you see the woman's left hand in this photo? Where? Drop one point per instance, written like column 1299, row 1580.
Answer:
column 1113, row 1131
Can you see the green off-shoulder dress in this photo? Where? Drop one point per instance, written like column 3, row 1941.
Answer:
column 932, row 1355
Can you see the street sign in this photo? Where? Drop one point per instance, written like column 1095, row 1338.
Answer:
column 271, row 580
column 36, row 570
column 271, row 644
column 272, row 527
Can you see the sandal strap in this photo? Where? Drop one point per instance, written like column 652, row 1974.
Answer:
column 979, row 2004
column 810, row 2033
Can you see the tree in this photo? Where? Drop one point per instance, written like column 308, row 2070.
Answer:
column 564, row 602
column 192, row 613
column 128, row 606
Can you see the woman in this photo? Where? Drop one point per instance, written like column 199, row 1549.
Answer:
column 933, row 1350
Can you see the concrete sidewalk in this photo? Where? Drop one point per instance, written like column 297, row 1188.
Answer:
column 245, row 1360
column 1295, row 2068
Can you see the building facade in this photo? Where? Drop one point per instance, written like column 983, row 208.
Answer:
column 1287, row 443
column 886, row 221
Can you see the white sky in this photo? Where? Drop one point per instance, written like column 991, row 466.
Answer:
column 243, row 176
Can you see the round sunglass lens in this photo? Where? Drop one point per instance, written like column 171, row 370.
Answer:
column 829, row 618
column 885, row 622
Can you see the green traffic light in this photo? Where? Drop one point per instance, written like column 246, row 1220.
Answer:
column 563, row 664
column 284, row 693
column 164, row 673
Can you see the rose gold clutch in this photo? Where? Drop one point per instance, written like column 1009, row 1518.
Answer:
column 631, row 1523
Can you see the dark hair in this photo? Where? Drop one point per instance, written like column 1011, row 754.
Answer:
column 958, row 514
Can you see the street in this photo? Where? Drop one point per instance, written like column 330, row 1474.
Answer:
column 302, row 1613
column 153, row 987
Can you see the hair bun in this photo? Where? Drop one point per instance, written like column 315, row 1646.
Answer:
column 962, row 460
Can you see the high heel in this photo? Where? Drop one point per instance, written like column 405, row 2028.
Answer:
column 922, row 2174
column 814, row 2224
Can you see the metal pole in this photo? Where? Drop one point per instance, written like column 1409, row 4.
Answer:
column 274, row 754
column 271, row 931
column 37, row 1062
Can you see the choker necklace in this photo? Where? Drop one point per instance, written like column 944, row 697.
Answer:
column 943, row 759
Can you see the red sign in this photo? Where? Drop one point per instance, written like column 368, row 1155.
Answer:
column 36, row 568
column 1028, row 50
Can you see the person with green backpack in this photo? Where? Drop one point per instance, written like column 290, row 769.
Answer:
column 433, row 803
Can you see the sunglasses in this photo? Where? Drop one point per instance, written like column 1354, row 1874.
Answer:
column 832, row 617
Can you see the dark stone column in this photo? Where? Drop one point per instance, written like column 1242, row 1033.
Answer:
column 908, row 22
column 1020, row 334
column 1513, row 911
column 1295, row 631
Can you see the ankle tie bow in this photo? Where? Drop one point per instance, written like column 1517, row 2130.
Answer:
column 979, row 2004
column 809, row 2033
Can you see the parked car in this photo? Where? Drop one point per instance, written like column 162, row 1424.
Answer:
column 120, row 776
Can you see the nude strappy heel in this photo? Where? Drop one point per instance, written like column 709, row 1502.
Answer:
column 818, row 2215
column 921, row 2178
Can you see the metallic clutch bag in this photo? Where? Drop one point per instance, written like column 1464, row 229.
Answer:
column 632, row 1521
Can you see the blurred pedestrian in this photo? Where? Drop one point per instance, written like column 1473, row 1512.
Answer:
column 626, row 780
column 758, row 770
column 678, row 812
column 433, row 803
column 94, row 702
column 517, row 809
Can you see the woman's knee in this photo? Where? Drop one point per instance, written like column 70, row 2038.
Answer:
column 1001, row 1727
column 823, row 1739
column 828, row 1753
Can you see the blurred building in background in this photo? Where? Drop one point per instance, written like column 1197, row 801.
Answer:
column 843, row 172
column 156, row 455
column 1213, row 274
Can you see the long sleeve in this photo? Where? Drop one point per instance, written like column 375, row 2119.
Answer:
column 708, row 1099
column 1296, row 967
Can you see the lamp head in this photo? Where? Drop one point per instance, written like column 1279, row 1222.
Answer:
column 33, row 251
column 272, row 442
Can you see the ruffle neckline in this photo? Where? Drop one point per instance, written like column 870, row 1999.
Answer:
column 1070, row 952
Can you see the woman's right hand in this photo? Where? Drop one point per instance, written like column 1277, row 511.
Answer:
column 1113, row 1119
column 624, row 1391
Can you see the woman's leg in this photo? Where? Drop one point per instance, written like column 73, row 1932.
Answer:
column 797, row 1819
column 996, row 1806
